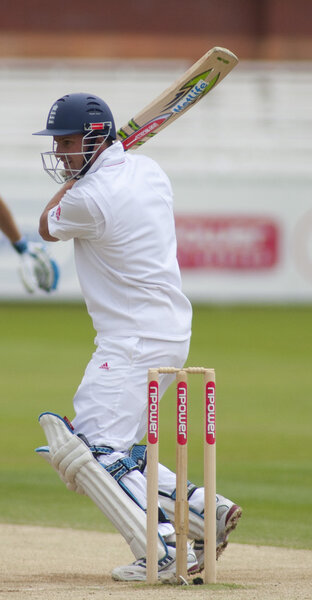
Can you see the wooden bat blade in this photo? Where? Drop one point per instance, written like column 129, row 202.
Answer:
column 193, row 85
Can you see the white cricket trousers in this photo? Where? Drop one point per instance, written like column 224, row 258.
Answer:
column 111, row 401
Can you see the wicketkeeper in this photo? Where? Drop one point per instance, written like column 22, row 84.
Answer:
column 37, row 270
column 117, row 208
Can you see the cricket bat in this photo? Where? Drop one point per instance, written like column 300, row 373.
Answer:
column 193, row 85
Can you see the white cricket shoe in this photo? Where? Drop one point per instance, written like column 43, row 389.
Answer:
column 166, row 567
column 227, row 515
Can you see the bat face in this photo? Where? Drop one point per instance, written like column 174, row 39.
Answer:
column 193, row 85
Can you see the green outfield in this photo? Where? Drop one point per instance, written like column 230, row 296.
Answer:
column 262, row 357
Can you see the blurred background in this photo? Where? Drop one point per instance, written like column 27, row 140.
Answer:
column 239, row 162
column 240, row 166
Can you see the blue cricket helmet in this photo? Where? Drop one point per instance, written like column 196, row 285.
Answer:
column 80, row 113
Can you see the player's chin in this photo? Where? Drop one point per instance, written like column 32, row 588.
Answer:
column 69, row 171
column 72, row 169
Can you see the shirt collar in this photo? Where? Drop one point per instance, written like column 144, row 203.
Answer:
column 113, row 155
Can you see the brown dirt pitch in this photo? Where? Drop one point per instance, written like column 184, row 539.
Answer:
column 64, row 564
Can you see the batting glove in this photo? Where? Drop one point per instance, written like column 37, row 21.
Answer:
column 37, row 270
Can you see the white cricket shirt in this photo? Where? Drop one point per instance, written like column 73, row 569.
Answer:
column 120, row 216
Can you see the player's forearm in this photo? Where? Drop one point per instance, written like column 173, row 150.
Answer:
column 7, row 223
column 43, row 223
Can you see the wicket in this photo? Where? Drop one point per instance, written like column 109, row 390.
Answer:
column 181, row 506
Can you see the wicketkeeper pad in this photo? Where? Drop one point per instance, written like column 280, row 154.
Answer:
column 81, row 472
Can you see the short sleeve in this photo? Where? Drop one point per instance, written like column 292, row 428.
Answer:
column 76, row 217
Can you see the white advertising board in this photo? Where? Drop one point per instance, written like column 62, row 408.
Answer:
column 239, row 163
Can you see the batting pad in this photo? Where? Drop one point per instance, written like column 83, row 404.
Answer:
column 196, row 521
column 44, row 451
column 76, row 465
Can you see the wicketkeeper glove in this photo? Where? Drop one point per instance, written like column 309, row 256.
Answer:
column 37, row 270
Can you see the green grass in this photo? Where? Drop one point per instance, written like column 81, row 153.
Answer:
column 262, row 359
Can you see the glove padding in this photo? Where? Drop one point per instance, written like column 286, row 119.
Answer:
column 37, row 269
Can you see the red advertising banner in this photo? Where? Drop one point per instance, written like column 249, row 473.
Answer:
column 236, row 243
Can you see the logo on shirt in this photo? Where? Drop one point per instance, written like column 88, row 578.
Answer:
column 58, row 212
column 104, row 366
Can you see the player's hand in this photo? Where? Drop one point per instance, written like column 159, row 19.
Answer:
column 37, row 269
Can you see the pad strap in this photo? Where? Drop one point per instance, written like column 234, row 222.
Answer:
column 139, row 454
column 120, row 467
column 191, row 487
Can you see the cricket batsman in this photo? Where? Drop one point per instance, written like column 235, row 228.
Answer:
column 117, row 207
